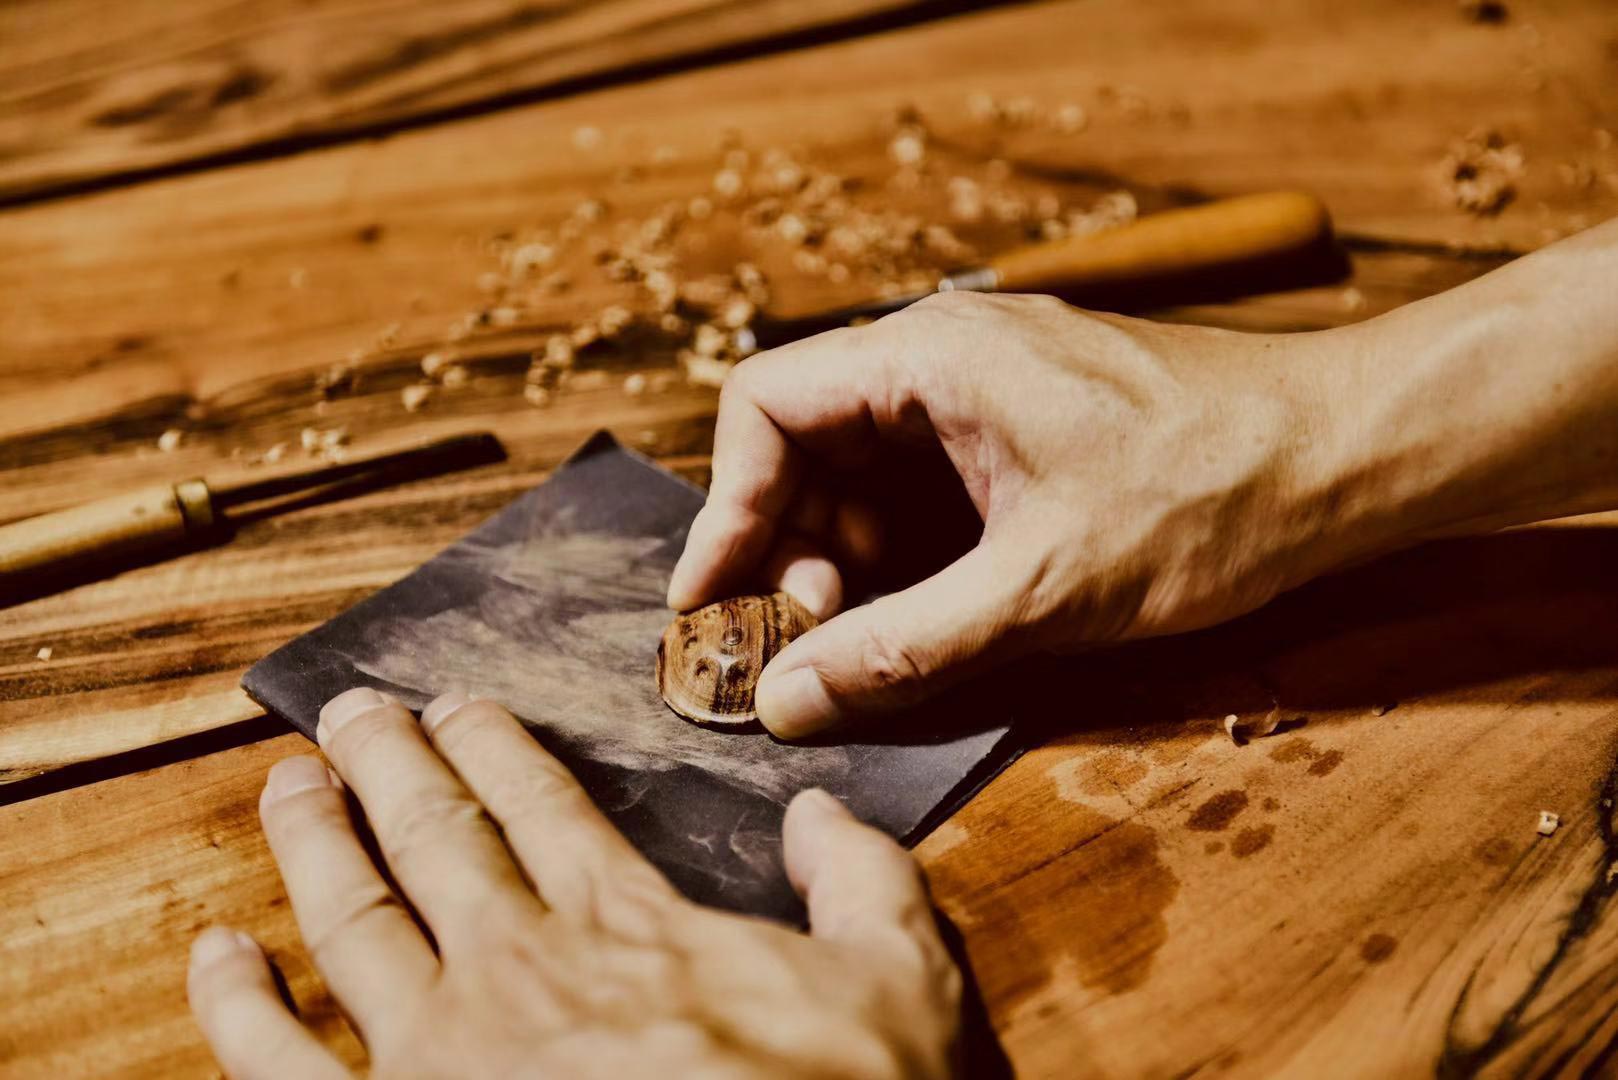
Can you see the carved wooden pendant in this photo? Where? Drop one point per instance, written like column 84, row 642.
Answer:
column 709, row 659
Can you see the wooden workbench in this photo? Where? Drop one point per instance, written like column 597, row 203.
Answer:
column 207, row 205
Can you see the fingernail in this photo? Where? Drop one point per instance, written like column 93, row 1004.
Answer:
column 292, row 775
column 442, row 707
column 679, row 596
column 344, row 707
column 795, row 704
column 216, row 943
column 815, row 584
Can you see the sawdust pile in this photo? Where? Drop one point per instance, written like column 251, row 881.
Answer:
column 928, row 208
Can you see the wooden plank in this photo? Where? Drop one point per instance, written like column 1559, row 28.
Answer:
column 1140, row 897
column 96, row 91
column 107, row 885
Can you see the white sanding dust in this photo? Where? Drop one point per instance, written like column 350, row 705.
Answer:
column 565, row 635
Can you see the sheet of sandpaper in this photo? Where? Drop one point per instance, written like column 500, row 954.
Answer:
column 554, row 608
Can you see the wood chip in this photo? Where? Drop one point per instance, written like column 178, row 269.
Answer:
column 170, row 440
column 45, row 653
column 1242, row 731
column 1479, row 172
column 415, row 396
column 1548, row 822
column 704, row 370
column 1070, row 119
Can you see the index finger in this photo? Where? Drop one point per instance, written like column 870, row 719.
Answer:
column 832, row 396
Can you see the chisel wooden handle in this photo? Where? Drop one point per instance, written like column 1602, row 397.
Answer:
column 146, row 520
column 1229, row 231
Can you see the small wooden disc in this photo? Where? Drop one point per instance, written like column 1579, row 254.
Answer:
column 710, row 659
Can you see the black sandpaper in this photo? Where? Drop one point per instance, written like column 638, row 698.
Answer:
column 554, row 607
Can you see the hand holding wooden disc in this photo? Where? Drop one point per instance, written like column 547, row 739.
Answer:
column 710, row 659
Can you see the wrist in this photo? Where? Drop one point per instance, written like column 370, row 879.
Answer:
column 1493, row 405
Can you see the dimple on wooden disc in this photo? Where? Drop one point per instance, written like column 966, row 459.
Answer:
column 709, row 660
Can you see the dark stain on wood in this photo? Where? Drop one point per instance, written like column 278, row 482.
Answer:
column 1325, row 763
column 1294, row 749
column 1109, row 772
column 1213, row 847
column 417, row 49
column 163, row 103
column 1218, row 812
column 1252, row 841
column 369, row 234
column 241, row 84
column 1120, row 889
column 1124, row 910
column 1271, row 803
column 1377, row 948
column 1495, row 851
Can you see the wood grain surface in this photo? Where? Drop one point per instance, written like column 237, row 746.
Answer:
column 1358, row 895
column 93, row 91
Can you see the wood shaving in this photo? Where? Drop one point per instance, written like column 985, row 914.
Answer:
column 909, row 146
column 1479, row 172
column 1548, row 823
column 704, row 370
column 170, row 440
column 890, row 233
column 1070, row 119
column 1242, row 731
column 45, row 653
column 434, row 363
column 414, row 397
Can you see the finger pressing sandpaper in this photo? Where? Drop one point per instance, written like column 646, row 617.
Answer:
column 554, row 607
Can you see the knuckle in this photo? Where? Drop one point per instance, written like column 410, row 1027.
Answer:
column 953, row 302
column 546, row 790
column 353, row 916
column 1035, row 301
column 889, row 664
column 637, row 905
column 429, row 819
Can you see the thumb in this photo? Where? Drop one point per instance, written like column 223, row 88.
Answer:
column 857, row 883
column 897, row 650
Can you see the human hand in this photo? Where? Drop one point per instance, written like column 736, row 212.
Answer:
column 1132, row 479
column 555, row 948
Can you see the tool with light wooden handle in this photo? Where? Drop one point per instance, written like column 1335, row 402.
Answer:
column 1233, row 232
column 168, row 518
column 1215, row 234
column 147, row 520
